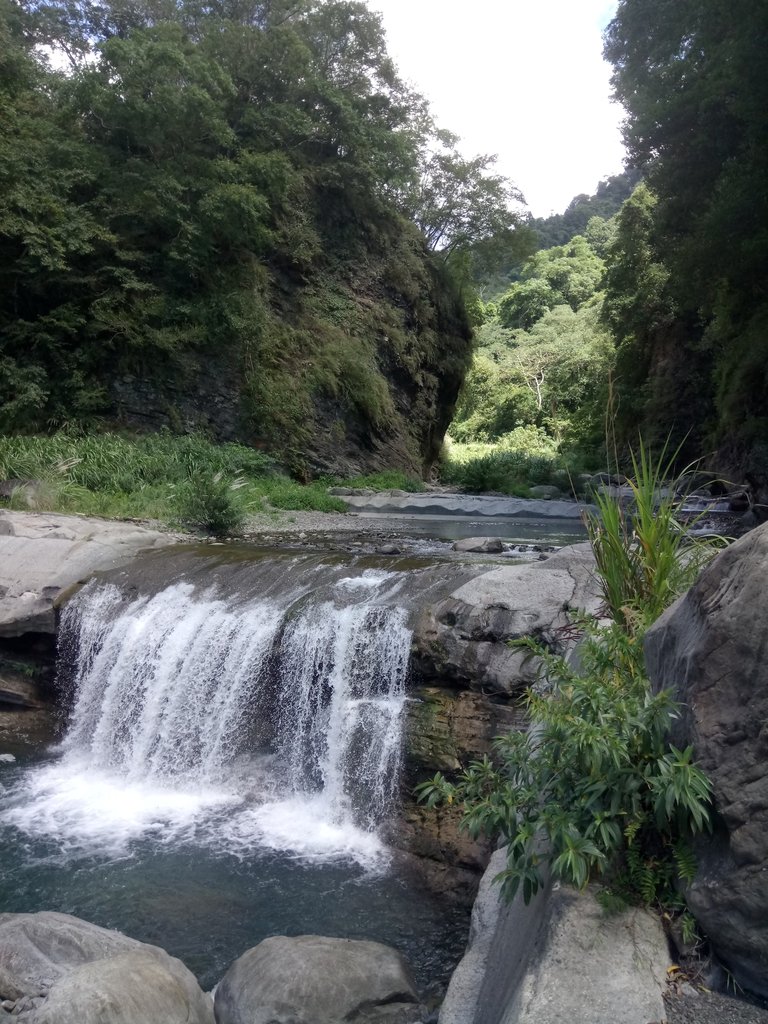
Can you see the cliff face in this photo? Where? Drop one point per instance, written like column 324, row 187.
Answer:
column 355, row 367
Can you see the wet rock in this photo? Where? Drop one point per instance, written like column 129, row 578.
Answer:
column 462, row 640
column 445, row 729
column 57, row 969
column 709, row 648
column 479, row 545
column 389, row 549
column 312, row 979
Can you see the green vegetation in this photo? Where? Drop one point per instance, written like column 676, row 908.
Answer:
column 644, row 556
column 234, row 218
column 387, row 480
column 655, row 283
column 535, row 396
column 186, row 480
column 686, row 283
column 593, row 790
column 524, row 457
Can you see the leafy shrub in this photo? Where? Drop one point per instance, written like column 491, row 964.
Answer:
column 592, row 788
column 210, row 504
column 479, row 468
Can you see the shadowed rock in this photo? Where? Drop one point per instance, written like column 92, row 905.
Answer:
column 711, row 649
column 316, row 980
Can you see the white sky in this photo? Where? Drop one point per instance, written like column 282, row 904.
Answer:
column 521, row 78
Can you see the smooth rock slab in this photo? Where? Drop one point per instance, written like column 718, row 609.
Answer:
column 312, row 979
column 557, row 960
column 43, row 553
column 57, row 969
column 594, row 967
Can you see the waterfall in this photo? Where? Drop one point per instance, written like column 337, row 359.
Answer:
column 239, row 720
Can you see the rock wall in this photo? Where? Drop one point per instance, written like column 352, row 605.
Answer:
column 711, row 649
column 356, row 367
column 468, row 686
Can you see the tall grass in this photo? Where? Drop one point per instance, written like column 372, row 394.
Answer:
column 182, row 480
column 645, row 557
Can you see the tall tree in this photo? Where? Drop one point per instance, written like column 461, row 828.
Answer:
column 691, row 75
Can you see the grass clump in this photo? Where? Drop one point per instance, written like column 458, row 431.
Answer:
column 282, row 493
column 386, row 480
column 644, row 555
column 210, row 504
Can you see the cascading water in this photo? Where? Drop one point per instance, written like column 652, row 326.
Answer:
column 258, row 721
column 230, row 757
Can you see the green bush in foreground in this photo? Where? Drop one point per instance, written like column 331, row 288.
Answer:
column 593, row 788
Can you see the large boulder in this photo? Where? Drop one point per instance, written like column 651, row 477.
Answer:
column 57, row 969
column 559, row 959
column 711, row 649
column 42, row 554
column 463, row 638
column 312, row 979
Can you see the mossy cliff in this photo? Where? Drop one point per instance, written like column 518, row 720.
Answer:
column 355, row 367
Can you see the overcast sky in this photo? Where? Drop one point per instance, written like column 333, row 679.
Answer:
column 521, row 78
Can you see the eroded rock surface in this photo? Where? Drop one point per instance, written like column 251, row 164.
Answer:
column 468, row 688
column 41, row 554
column 57, row 969
column 462, row 640
column 711, row 649
column 557, row 960
column 312, row 979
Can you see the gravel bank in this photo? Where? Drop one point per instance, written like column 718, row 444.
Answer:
column 712, row 1008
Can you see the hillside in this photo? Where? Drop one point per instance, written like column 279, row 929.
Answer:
column 233, row 218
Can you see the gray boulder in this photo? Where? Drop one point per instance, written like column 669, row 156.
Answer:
column 479, row 545
column 316, row 980
column 710, row 649
column 557, row 960
column 42, row 554
column 57, row 969
column 462, row 639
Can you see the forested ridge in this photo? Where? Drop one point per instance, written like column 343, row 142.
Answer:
column 648, row 318
column 235, row 217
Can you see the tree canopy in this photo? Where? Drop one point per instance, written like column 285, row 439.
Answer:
column 203, row 178
column 690, row 75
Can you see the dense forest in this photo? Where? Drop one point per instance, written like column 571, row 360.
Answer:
column 648, row 301
column 236, row 217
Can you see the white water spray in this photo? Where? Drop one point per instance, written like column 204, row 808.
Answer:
column 235, row 723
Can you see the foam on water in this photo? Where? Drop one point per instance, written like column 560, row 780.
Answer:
column 237, row 724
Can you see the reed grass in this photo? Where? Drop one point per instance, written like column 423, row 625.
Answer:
column 645, row 556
